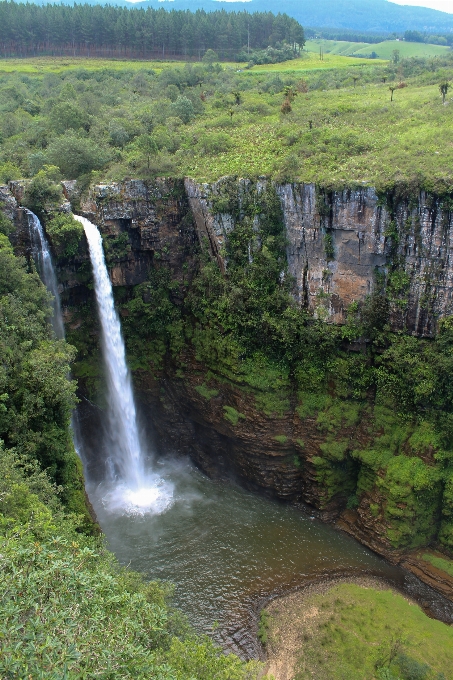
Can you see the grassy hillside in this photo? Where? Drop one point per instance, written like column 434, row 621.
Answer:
column 406, row 49
column 357, row 633
column 339, row 47
column 118, row 119
column 384, row 49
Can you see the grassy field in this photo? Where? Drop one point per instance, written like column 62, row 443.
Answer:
column 383, row 50
column 406, row 49
column 342, row 128
column 62, row 64
column 339, row 47
column 310, row 61
column 353, row 632
column 357, row 135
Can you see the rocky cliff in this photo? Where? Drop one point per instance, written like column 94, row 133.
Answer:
column 256, row 425
column 338, row 242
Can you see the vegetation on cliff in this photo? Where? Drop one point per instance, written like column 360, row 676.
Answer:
column 67, row 608
column 379, row 402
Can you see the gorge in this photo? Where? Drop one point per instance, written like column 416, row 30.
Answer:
column 244, row 415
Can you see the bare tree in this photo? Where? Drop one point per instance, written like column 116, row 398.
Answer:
column 444, row 87
column 392, row 89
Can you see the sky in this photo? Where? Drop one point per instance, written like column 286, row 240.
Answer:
column 442, row 5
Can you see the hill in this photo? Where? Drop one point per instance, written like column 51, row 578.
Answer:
column 383, row 50
column 365, row 15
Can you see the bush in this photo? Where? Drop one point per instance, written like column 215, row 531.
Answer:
column 43, row 194
column 8, row 172
column 183, row 108
column 65, row 234
column 76, row 155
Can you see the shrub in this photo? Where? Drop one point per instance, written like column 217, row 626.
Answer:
column 65, row 234
column 43, row 194
column 183, row 108
column 76, row 155
column 8, row 172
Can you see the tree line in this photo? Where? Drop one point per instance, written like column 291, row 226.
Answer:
column 87, row 30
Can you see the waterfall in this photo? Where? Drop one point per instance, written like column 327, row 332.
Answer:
column 43, row 259
column 132, row 488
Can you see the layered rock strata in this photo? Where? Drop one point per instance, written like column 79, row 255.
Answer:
column 336, row 244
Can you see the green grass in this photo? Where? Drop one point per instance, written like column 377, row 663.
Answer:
column 62, row 64
column 340, row 47
column 310, row 61
column 383, row 49
column 357, row 136
column 232, row 415
column 342, row 131
column 440, row 563
column 351, row 631
column 206, row 392
column 406, row 49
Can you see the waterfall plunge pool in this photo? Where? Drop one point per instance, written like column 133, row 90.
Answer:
column 227, row 550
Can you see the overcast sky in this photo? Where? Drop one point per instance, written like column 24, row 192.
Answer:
column 443, row 5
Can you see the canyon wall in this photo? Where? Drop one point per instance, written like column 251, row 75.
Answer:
column 338, row 242
column 340, row 246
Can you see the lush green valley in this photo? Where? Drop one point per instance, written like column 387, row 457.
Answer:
column 216, row 327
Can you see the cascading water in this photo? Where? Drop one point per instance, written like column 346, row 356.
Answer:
column 43, row 259
column 131, row 487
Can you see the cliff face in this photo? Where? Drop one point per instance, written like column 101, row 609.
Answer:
column 337, row 243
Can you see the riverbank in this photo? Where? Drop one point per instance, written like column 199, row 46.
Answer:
column 353, row 627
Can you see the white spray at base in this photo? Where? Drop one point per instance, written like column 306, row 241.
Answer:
column 131, row 488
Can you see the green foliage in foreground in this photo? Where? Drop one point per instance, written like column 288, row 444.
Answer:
column 36, row 397
column 365, row 634
column 68, row 610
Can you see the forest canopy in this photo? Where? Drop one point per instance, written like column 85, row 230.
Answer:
column 27, row 29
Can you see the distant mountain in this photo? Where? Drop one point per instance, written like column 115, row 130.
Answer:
column 364, row 15
column 361, row 15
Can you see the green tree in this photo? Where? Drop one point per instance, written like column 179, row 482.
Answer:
column 67, row 115
column 209, row 57
column 183, row 109
column 147, row 145
column 444, row 87
column 76, row 155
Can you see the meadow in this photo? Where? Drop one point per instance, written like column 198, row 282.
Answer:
column 331, row 122
column 358, row 633
column 384, row 49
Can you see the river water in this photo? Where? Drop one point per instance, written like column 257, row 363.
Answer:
column 227, row 550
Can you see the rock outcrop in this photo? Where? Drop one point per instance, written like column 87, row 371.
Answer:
column 337, row 243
